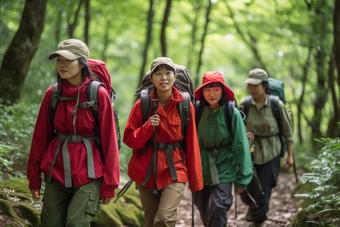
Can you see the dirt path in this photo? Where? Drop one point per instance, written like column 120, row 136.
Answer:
column 281, row 211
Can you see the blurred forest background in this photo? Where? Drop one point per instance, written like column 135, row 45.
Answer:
column 296, row 41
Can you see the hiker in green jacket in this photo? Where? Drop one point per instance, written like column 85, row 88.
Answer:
column 225, row 154
column 263, row 132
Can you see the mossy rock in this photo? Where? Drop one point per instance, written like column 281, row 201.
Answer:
column 3, row 195
column 2, row 192
column 27, row 211
column 21, row 196
column 7, row 209
column 19, row 185
column 129, row 214
column 129, row 198
column 107, row 217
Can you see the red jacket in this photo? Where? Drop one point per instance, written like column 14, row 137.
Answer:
column 44, row 146
column 169, row 131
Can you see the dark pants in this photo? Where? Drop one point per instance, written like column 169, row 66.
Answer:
column 213, row 203
column 267, row 175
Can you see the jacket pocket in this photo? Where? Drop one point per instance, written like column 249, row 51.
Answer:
column 175, row 128
column 93, row 204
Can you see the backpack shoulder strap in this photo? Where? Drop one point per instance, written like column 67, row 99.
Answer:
column 145, row 102
column 274, row 103
column 184, row 112
column 246, row 105
column 198, row 112
column 228, row 114
column 92, row 100
column 54, row 102
column 92, row 94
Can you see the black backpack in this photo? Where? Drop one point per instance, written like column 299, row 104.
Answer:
column 99, row 68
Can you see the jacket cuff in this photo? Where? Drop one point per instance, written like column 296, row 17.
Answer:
column 34, row 186
column 242, row 186
column 107, row 193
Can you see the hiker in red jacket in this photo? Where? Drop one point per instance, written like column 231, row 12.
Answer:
column 77, row 178
column 172, row 160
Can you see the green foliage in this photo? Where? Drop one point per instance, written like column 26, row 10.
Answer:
column 324, row 209
column 16, row 129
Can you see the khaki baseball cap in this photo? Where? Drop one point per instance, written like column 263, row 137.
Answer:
column 162, row 61
column 72, row 49
column 256, row 76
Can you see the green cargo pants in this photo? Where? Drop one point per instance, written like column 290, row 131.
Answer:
column 70, row 207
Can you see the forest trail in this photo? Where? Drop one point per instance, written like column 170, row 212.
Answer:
column 281, row 211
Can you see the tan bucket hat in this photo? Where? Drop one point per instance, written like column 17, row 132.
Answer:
column 256, row 76
column 162, row 61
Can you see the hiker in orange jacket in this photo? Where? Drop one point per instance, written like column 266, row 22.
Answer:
column 186, row 161
column 76, row 176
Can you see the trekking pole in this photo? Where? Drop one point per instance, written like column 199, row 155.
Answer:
column 192, row 209
column 256, row 177
column 252, row 199
column 235, row 202
column 154, row 192
column 294, row 167
column 124, row 189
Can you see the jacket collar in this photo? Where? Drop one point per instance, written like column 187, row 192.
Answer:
column 71, row 90
column 176, row 97
column 252, row 102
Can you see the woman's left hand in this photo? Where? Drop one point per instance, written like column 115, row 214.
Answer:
column 238, row 190
column 105, row 200
column 289, row 161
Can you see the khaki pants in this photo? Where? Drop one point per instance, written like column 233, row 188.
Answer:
column 161, row 212
column 70, row 207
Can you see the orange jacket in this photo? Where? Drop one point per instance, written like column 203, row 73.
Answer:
column 169, row 131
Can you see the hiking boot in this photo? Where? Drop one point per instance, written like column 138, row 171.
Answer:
column 249, row 217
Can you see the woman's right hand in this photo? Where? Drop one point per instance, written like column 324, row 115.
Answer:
column 154, row 120
column 35, row 194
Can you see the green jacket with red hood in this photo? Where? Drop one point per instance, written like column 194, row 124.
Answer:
column 233, row 160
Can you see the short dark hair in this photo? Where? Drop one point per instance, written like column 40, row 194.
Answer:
column 266, row 84
column 224, row 99
column 163, row 66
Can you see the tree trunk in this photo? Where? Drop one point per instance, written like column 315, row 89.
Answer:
column 20, row 52
column 147, row 42
column 202, row 44
column 87, row 21
column 333, row 127
column 58, row 25
column 164, row 23
column 191, row 50
column 320, row 31
column 300, row 102
column 72, row 26
column 106, row 40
